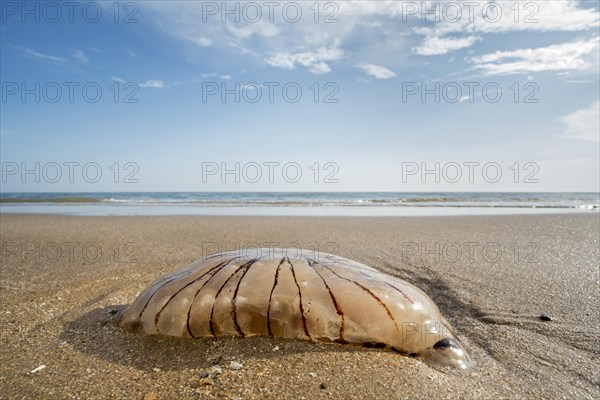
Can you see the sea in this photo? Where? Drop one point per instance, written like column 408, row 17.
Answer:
column 299, row 203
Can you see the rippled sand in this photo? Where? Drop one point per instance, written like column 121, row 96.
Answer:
column 492, row 278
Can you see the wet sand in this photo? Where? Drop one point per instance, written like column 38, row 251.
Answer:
column 492, row 278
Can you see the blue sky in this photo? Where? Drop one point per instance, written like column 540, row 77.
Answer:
column 369, row 57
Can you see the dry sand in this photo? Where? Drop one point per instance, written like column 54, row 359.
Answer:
column 56, row 300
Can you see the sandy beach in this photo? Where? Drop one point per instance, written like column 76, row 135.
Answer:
column 492, row 278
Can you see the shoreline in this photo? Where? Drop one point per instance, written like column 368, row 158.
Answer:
column 288, row 211
column 561, row 213
column 491, row 277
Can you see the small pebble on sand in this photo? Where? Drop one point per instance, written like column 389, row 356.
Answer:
column 151, row 396
column 235, row 365
column 212, row 372
column 38, row 369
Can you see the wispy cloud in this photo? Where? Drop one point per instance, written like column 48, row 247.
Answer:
column 225, row 77
column 558, row 57
column 315, row 61
column 201, row 41
column 153, row 83
column 583, row 124
column 457, row 33
column 80, row 56
column 434, row 45
column 35, row 55
column 132, row 54
column 377, row 71
column 260, row 28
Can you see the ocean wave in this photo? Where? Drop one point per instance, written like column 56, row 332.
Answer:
column 36, row 200
column 332, row 199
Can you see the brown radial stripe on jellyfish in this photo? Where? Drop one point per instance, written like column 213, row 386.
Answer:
column 300, row 296
column 233, row 299
column 390, row 285
column 216, row 267
column 189, row 328
column 367, row 290
column 212, row 311
column 177, row 275
column 271, row 297
column 338, row 310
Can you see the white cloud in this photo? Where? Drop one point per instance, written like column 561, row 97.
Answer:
column 472, row 22
column 32, row 54
column 434, row 45
column 81, row 56
column 201, row 41
column 314, row 61
column 132, row 53
column 250, row 86
column 370, row 24
column 289, row 45
column 224, row 77
column 557, row 57
column 260, row 28
column 153, row 83
column 377, row 71
column 583, row 124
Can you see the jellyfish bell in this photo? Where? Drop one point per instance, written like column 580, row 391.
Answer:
column 310, row 296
